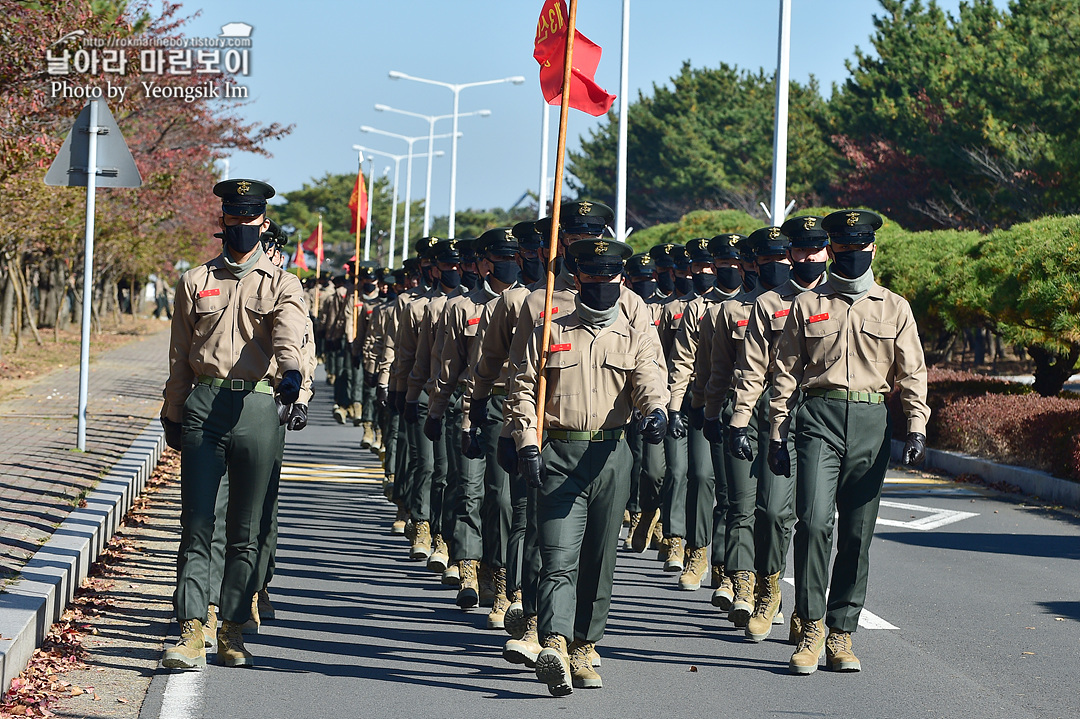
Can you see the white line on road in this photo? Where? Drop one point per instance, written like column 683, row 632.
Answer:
column 183, row 696
column 937, row 518
column 867, row 619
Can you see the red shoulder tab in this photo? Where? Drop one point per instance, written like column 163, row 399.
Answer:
column 474, row 321
column 677, row 317
column 742, row 323
column 559, row 348
column 657, row 323
column 554, row 311
column 781, row 313
column 817, row 318
column 371, row 310
column 208, row 293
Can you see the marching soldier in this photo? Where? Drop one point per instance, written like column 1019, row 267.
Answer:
column 237, row 337
column 844, row 345
column 598, row 369
column 362, row 390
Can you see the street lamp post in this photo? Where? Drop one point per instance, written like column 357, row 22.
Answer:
column 456, row 89
column 408, row 169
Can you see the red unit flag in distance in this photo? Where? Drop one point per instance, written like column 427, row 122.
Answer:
column 550, row 51
column 314, row 244
column 358, row 203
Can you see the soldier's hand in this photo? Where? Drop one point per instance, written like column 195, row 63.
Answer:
column 779, row 461
column 288, row 389
column 697, row 417
column 298, row 418
column 676, row 424
column 284, row 411
column 506, row 455
column 738, row 445
column 412, row 412
column 381, row 395
column 433, row 428
column 531, row 466
column 915, row 449
column 174, row 433
column 478, row 412
column 712, row 431
column 654, row 426
column 470, row 443
column 369, row 379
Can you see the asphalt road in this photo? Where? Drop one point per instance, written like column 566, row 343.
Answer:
column 974, row 611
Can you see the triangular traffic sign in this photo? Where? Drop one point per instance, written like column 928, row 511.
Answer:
column 115, row 165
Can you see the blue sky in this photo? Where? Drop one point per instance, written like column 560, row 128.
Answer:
column 322, row 65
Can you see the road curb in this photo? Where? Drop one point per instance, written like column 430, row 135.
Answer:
column 1032, row 482
column 29, row 606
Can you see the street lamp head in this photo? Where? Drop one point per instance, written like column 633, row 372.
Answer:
column 517, row 79
column 440, row 153
column 395, row 75
column 379, row 107
column 366, row 128
column 358, row 148
column 484, row 113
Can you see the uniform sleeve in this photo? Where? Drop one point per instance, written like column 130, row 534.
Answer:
column 752, row 366
column 648, row 390
column 388, row 351
column 405, row 352
column 703, row 359
column 290, row 324
column 640, row 317
column 790, row 365
column 724, row 355
column 524, row 388
column 421, row 365
column 494, row 350
column 451, row 363
column 910, row 367
column 683, row 350
column 310, row 363
column 181, row 376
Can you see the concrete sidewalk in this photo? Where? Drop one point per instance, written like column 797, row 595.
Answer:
column 42, row 477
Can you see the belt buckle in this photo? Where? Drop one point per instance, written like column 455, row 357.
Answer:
column 236, row 385
column 596, row 436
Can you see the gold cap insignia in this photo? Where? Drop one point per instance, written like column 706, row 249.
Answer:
column 509, row 235
column 601, row 247
column 667, row 249
column 809, row 223
column 453, row 245
column 584, row 208
column 645, row 259
column 733, row 240
column 852, row 218
column 243, row 187
column 431, row 241
column 702, row 243
column 774, row 232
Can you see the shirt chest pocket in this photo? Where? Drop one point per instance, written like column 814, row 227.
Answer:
column 563, row 370
column 877, row 341
column 258, row 309
column 471, row 327
column 822, row 341
column 738, row 330
column 208, row 310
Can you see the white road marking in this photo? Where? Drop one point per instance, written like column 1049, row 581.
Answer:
column 867, row 619
column 336, row 473
column 183, row 695
column 937, row 517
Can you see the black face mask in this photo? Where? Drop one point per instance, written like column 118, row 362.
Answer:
column 532, row 268
column 749, row 279
column 852, row 265
column 369, row 287
column 774, row 274
column 683, row 285
column 807, row 272
column 665, row 283
column 505, row 271
column 728, row 278
column 703, row 283
column 449, row 278
column 469, row 279
column 242, row 238
column 600, row 295
column 644, row 288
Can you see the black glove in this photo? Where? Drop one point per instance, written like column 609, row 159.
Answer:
column 738, row 445
column 174, row 432
column 381, row 395
column 411, row 411
column 697, row 417
column 369, row 379
column 399, row 402
column 676, row 424
column 298, row 418
column 531, row 466
column 288, row 389
column 284, row 411
column 478, row 414
column 779, row 461
column 506, row 455
column 712, row 431
column 654, row 426
column 915, row 449
column 433, row 428
column 470, row 443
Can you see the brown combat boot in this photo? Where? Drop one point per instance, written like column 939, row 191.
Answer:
column 421, row 546
column 355, row 412
column 452, row 576
column 468, row 595
column 656, row 539
column 501, row 603
column 724, row 592
column 582, row 674
column 742, row 606
column 514, row 619
column 524, row 649
column 553, row 666
column 766, row 610
column 398, row 527
column 440, row 555
column 190, row 651
column 251, row 626
column 794, row 629
column 810, row 649
column 231, row 651
column 410, row 530
column 367, row 440
column 266, row 609
column 675, row 555
column 485, row 577
column 635, row 520
column 641, row 533
column 838, row 654
column 690, row 580
column 339, row 414
column 210, row 626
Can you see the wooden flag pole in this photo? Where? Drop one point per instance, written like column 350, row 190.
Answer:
column 318, row 264
column 553, row 238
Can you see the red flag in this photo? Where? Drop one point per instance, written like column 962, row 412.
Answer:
column 550, row 52
column 358, row 203
column 298, row 259
column 314, row 244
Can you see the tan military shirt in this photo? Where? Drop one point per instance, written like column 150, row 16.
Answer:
column 671, row 316
column 408, row 337
column 722, row 333
column 250, row 329
column 497, row 326
column 461, row 327
column 595, row 378
column 388, row 353
column 684, row 347
column 311, row 362
column 869, row 346
column 374, row 337
column 428, row 345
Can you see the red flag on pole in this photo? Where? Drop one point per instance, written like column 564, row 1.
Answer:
column 550, row 52
column 314, row 244
column 358, row 203
column 298, row 259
